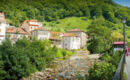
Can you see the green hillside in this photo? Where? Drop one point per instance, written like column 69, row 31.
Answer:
column 51, row 10
column 61, row 15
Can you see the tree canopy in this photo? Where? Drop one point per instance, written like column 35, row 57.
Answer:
column 50, row 10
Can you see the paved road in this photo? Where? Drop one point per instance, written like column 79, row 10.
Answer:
column 127, row 67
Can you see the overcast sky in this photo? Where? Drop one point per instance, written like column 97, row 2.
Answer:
column 123, row 2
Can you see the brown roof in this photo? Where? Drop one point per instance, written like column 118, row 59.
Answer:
column 75, row 30
column 27, row 21
column 16, row 30
column 41, row 28
column 70, row 35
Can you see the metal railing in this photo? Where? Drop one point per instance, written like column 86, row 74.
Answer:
column 120, row 70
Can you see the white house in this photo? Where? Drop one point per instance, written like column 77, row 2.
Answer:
column 3, row 25
column 14, row 33
column 83, row 36
column 41, row 33
column 70, row 41
column 2, row 31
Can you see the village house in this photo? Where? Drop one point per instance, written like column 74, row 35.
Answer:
column 3, row 25
column 55, row 38
column 14, row 33
column 2, row 31
column 70, row 41
column 41, row 33
column 30, row 25
column 82, row 35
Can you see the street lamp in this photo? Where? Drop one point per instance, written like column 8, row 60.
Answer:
column 124, row 21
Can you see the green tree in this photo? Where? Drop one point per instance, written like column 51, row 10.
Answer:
column 102, row 71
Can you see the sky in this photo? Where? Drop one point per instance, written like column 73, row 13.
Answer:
column 123, row 2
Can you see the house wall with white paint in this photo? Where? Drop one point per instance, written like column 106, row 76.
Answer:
column 2, row 31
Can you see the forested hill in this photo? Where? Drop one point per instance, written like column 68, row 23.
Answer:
column 51, row 10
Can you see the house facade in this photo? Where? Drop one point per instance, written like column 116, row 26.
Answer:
column 30, row 25
column 56, row 38
column 2, row 31
column 70, row 41
column 3, row 25
column 14, row 33
column 83, row 36
column 41, row 33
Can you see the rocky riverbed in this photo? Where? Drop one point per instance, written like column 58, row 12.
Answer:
column 69, row 68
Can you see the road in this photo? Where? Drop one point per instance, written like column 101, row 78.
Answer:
column 80, row 62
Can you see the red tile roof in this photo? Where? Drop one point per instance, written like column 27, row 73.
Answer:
column 75, row 30
column 119, row 43
column 33, row 25
column 70, row 35
column 16, row 30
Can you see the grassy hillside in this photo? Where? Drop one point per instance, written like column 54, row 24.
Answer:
column 82, row 23
column 69, row 23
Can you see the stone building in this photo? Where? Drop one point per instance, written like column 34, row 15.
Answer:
column 82, row 35
column 41, row 33
column 55, row 38
column 30, row 25
column 70, row 41
column 14, row 33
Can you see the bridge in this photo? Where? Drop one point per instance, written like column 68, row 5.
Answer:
column 123, row 67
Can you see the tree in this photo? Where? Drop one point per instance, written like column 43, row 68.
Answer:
column 16, row 63
column 102, row 71
column 116, row 36
column 2, row 71
column 99, row 36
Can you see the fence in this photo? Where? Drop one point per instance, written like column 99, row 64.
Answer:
column 120, row 70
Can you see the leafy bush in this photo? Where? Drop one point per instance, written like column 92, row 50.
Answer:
column 25, row 57
column 102, row 71
column 106, row 69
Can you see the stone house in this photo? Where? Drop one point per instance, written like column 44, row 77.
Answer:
column 14, row 33
column 30, row 25
column 83, row 36
column 71, row 41
column 41, row 33
column 55, row 38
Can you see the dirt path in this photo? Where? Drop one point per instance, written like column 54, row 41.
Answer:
column 80, row 62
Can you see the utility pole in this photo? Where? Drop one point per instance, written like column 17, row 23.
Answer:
column 124, row 50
